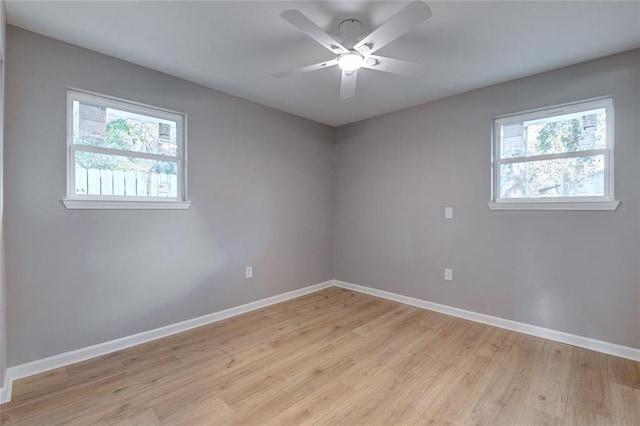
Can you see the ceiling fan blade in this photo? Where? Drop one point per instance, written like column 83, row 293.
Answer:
column 307, row 68
column 404, row 21
column 307, row 26
column 348, row 84
column 395, row 66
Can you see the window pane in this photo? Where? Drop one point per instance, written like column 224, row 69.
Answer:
column 555, row 134
column 566, row 177
column 112, row 128
column 114, row 175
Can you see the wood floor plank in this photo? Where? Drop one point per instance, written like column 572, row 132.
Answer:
column 498, row 344
column 365, row 374
column 462, row 347
column 57, row 403
column 389, row 341
column 624, row 371
column 243, row 395
column 304, row 411
column 132, row 417
column 362, row 406
column 505, row 396
column 456, row 403
column 550, row 383
column 429, row 390
column 33, row 386
column 533, row 416
column 391, row 317
column 625, row 405
column 427, row 348
column 103, row 399
column 588, row 401
column 260, row 410
column 336, row 357
column 195, row 412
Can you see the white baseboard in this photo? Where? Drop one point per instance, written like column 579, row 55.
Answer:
column 68, row 358
column 533, row 330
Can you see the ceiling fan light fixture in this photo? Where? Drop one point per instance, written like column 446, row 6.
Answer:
column 350, row 61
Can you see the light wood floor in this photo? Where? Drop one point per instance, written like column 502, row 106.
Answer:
column 337, row 357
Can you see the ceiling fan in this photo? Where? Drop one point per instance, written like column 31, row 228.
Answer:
column 353, row 54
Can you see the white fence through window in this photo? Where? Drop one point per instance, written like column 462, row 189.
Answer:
column 125, row 183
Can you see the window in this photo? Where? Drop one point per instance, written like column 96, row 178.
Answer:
column 123, row 155
column 557, row 158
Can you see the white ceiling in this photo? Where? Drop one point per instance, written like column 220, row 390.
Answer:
column 235, row 46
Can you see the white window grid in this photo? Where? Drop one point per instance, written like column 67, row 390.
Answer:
column 569, row 108
column 132, row 107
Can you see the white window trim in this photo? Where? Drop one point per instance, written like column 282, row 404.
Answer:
column 606, row 202
column 556, row 206
column 125, row 205
column 74, row 201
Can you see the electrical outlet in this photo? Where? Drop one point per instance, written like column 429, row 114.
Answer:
column 448, row 212
column 448, row 274
column 248, row 272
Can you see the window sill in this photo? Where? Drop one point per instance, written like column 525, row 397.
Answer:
column 572, row 205
column 124, row 205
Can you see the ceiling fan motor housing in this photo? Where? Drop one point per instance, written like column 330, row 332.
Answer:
column 350, row 30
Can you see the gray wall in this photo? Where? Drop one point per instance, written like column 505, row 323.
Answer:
column 572, row 271
column 259, row 179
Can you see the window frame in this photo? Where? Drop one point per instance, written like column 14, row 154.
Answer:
column 76, row 201
column 604, row 202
